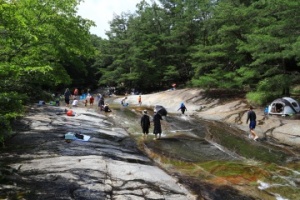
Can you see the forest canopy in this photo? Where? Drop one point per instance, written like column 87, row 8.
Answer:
column 249, row 45
column 39, row 42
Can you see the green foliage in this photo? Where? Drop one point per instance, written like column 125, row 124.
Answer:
column 249, row 45
column 205, row 81
column 11, row 107
column 261, row 98
column 39, row 40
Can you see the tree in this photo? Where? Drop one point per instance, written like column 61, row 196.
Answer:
column 216, row 59
column 271, row 46
column 37, row 38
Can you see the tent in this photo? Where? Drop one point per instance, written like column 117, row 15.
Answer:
column 284, row 106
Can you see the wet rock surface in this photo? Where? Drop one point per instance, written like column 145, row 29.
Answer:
column 277, row 129
column 41, row 164
column 278, row 146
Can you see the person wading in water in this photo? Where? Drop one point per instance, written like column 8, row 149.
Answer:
column 145, row 123
column 252, row 117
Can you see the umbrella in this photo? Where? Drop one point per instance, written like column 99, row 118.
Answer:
column 160, row 110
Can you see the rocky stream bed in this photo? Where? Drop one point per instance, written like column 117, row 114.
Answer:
column 38, row 163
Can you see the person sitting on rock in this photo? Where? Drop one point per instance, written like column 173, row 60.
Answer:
column 106, row 108
column 123, row 102
column 75, row 102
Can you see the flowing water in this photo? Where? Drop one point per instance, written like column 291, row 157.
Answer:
column 216, row 161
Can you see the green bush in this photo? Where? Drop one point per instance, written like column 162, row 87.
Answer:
column 11, row 107
column 261, row 98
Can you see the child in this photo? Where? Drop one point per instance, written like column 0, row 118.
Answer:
column 91, row 100
column 87, row 100
column 101, row 103
column 123, row 102
column 140, row 100
column 57, row 99
column 75, row 102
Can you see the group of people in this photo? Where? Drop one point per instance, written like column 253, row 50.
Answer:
column 145, row 124
column 88, row 100
column 145, row 119
column 124, row 103
column 157, row 130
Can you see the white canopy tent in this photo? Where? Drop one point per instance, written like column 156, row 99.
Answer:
column 284, row 106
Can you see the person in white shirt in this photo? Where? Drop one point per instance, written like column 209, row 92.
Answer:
column 75, row 102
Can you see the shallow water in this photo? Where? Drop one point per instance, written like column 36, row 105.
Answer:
column 214, row 153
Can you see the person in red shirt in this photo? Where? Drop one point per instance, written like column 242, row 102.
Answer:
column 75, row 92
column 140, row 100
column 92, row 100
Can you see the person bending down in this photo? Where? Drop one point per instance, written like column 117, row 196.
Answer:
column 106, row 108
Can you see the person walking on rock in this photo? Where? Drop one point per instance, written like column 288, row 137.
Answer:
column 87, row 100
column 92, row 100
column 101, row 103
column 140, row 100
column 145, row 123
column 157, row 126
column 252, row 117
column 67, row 95
column 182, row 108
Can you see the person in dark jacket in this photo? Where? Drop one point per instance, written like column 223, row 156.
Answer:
column 252, row 117
column 67, row 95
column 106, row 108
column 101, row 103
column 145, row 123
column 157, row 126
column 182, row 108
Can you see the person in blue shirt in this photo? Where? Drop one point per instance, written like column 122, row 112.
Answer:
column 182, row 108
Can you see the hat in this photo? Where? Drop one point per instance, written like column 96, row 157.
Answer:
column 145, row 111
